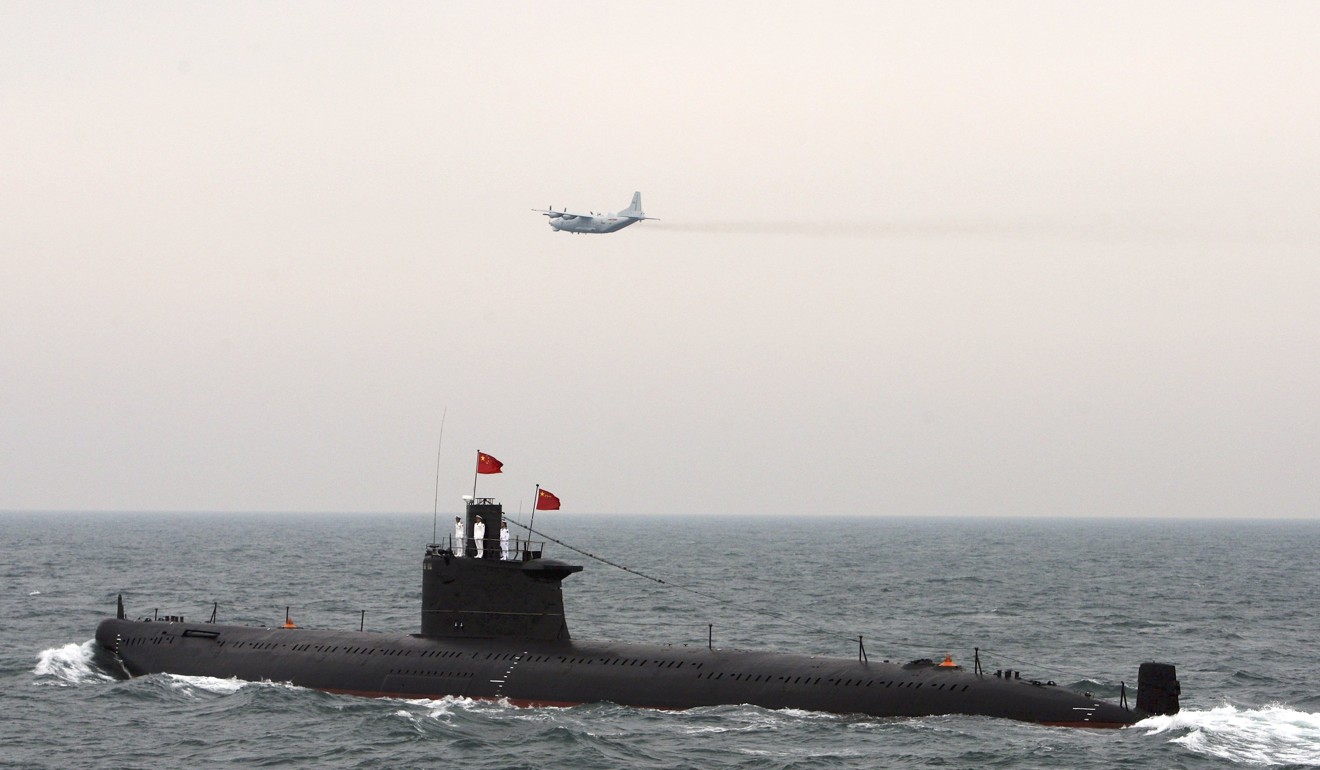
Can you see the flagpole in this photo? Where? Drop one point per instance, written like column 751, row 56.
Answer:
column 518, row 540
column 475, row 470
column 536, row 498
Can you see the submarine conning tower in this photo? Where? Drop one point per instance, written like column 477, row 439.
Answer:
column 469, row 597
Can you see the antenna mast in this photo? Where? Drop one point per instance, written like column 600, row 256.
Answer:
column 435, row 511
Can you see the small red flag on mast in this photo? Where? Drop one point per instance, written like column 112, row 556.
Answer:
column 488, row 464
column 546, row 501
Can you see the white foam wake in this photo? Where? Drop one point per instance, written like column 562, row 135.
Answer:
column 188, row 685
column 70, row 664
column 191, row 685
column 1274, row 735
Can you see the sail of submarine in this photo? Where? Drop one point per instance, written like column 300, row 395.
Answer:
column 495, row 629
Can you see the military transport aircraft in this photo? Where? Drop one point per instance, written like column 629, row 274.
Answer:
column 596, row 223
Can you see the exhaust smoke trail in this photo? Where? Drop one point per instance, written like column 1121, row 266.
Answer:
column 853, row 229
column 1108, row 229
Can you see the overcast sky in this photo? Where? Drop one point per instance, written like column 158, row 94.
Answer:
column 914, row 258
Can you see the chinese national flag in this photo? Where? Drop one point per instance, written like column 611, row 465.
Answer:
column 488, row 464
column 546, row 501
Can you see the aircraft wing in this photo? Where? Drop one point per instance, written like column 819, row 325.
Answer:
column 553, row 213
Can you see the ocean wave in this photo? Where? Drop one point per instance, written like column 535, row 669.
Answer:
column 1274, row 735
column 189, row 685
column 446, row 708
column 70, row 664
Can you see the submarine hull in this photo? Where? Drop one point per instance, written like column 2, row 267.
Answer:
column 493, row 627
column 570, row 672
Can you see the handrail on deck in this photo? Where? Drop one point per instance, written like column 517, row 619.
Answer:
column 520, row 549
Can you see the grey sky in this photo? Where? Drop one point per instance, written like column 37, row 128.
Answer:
column 914, row 258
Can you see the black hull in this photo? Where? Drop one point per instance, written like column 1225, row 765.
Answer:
column 564, row 673
column 495, row 629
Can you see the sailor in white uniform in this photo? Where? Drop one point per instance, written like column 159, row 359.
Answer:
column 460, row 547
column 504, row 541
column 479, row 534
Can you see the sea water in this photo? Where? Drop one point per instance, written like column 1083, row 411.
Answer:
column 1082, row 602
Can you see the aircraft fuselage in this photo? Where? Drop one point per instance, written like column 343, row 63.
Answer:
column 571, row 223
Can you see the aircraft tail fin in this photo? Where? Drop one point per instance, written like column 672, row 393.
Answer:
column 635, row 209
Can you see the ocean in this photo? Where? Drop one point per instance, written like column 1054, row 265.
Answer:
column 1080, row 601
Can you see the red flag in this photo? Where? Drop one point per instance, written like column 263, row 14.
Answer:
column 546, row 501
column 488, row 464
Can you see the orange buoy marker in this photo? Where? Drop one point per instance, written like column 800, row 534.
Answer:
column 288, row 621
column 948, row 662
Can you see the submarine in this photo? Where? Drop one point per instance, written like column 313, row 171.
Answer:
column 494, row 629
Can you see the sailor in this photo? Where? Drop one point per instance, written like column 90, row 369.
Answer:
column 504, row 541
column 460, row 547
column 479, row 535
